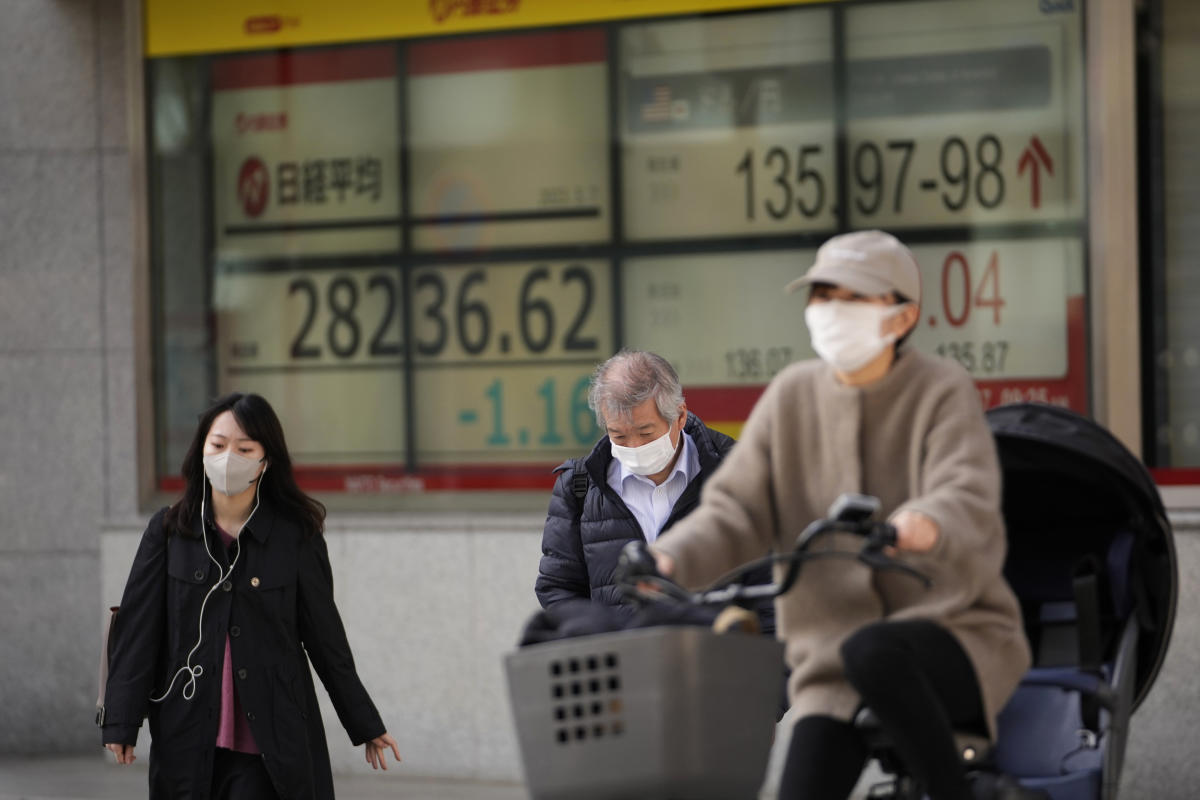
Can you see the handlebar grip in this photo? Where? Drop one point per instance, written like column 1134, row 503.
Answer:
column 635, row 560
column 884, row 535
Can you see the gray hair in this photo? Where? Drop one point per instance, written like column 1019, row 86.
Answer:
column 628, row 379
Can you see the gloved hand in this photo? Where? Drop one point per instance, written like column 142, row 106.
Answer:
column 635, row 561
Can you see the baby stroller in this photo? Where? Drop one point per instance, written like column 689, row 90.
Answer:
column 1092, row 560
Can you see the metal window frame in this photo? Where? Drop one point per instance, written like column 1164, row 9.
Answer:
column 1113, row 263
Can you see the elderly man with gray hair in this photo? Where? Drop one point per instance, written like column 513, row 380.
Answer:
column 642, row 477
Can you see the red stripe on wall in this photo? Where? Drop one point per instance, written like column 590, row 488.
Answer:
column 1176, row 476
column 507, row 52
column 721, row 403
column 313, row 66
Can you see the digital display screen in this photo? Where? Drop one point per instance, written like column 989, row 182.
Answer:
column 727, row 126
column 325, row 347
column 963, row 113
column 508, row 139
column 1001, row 308
column 721, row 320
column 503, row 354
column 421, row 250
column 306, row 154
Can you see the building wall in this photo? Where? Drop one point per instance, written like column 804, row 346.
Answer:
column 66, row 350
column 431, row 601
column 1161, row 762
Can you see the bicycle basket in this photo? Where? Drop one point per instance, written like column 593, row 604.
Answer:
column 678, row 712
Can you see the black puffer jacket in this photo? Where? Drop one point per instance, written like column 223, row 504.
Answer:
column 583, row 538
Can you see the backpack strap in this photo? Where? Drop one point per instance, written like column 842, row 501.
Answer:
column 579, row 482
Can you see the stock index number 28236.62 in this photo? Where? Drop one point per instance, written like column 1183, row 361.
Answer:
column 500, row 311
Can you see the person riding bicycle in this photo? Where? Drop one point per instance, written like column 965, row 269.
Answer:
column 871, row 416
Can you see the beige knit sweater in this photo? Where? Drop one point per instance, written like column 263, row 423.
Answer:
column 916, row 439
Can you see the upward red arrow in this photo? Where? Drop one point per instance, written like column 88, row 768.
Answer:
column 1035, row 157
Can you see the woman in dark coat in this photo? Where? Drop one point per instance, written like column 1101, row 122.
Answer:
column 230, row 596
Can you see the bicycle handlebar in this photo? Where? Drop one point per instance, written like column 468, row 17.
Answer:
column 636, row 566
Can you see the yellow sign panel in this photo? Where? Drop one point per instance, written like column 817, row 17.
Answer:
column 178, row 28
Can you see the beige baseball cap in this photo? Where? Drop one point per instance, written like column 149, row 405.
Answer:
column 867, row 262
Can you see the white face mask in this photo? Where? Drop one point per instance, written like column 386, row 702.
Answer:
column 650, row 458
column 847, row 334
column 231, row 473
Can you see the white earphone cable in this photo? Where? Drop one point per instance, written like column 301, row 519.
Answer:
column 195, row 671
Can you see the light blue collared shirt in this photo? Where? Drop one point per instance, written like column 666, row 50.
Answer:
column 651, row 504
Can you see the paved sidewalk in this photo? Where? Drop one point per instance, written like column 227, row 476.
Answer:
column 97, row 778
column 84, row 777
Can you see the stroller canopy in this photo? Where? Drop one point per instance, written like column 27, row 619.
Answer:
column 1066, row 476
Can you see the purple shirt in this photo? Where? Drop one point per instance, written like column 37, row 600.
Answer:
column 233, row 731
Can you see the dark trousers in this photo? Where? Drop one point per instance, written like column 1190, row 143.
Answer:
column 240, row 776
column 917, row 679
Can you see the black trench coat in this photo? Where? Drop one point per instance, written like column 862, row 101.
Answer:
column 276, row 607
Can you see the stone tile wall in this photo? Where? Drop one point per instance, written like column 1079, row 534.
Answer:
column 66, row 345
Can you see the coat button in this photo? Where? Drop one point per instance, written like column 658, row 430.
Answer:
column 250, row 715
column 255, row 581
column 241, row 673
column 235, row 631
column 199, row 575
column 227, row 586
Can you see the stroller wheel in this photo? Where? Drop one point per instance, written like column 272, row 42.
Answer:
column 736, row 618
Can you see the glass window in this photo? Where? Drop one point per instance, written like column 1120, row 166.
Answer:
column 508, row 138
column 965, row 136
column 306, row 176
column 180, row 255
column 419, row 249
column 735, row 110
column 503, row 356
